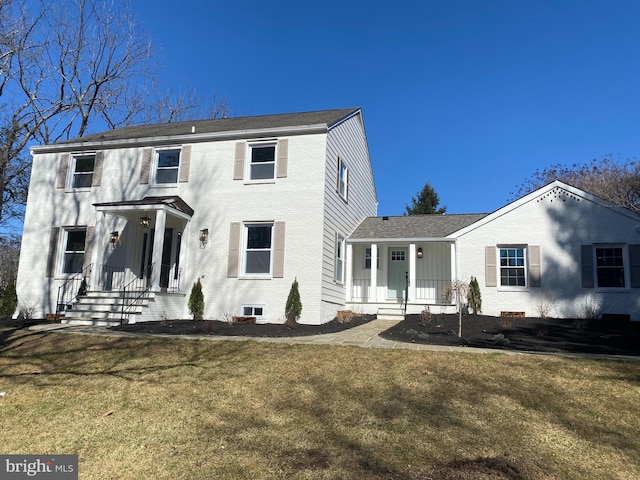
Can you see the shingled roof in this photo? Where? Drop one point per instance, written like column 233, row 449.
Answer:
column 322, row 117
column 413, row 226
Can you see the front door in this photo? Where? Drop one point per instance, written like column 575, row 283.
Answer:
column 397, row 272
column 166, row 258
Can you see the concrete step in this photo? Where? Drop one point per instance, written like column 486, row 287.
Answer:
column 390, row 313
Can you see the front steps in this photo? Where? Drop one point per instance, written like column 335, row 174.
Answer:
column 390, row 313
column 106, row 308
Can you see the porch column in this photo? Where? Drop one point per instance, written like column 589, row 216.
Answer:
column 454, row 262
column 158, row 245
column 97, row 253
column 184, row 247
column 374, row 273
column 349, row 273
column 412, row 273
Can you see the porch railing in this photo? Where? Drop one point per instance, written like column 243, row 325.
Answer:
column 72, row 288
column 431, row 290
column 360, row 289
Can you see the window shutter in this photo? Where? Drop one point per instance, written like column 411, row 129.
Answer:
column 634, row 265
column 88, row 247
column 278, row 250
column 97, row 169
column 238, row 166
column 283, row 157
column 535, row 278
column 146, row 165
column 490, row 267
column 53, row 251
column 63, row 167
column 234, row 250
column 586, row 262
column 185, row 163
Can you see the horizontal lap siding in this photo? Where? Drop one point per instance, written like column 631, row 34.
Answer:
column 346, row 141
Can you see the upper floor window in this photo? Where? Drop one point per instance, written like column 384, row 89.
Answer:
column 512, row 267
column 167, row 166
column 340, row 258
column 262, row 165
column 258, row 252
column 343, row 179
column 82, row 169
column 74, row 250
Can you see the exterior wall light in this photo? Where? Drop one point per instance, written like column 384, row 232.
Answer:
column 419, row 252
column 145, row 222
column 115, row 239
column 204, row 237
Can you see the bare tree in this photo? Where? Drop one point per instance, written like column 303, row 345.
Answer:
column 616, row 182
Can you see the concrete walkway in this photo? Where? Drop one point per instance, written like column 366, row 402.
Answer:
column 366, row 336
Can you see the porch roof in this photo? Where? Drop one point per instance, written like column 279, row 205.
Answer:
column 412, row 227
column 174, row 202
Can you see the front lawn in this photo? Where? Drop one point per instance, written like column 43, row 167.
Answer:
column 193, row 409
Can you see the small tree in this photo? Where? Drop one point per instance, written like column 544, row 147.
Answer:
column 9, row 301
column 196, row 301
column 293, row 308
column 457, row 289
column 474, row 298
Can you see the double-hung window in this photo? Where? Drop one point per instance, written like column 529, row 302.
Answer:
column 262, row 165
column 167, row 166
column 343, row 179
column 74, row 250
column 367, row 258
column 513, row 267
column 609, row 267
column 83, row 166
column 340, row 258
column 258, row 250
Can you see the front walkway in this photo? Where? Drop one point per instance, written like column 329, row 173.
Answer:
column 366, row 336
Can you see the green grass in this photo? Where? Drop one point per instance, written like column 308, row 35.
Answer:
column 199, row 410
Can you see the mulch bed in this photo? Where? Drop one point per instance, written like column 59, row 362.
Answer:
column 215, row 327
column 607, row 337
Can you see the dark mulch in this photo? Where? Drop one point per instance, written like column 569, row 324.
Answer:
column 215, row 327
column 610, row 337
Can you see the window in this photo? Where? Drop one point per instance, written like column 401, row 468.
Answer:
column 74, row 248
column 367, row 258
column 343, row 178
column 167, row 166
column 258, row 241
column 398, row 255
column 340, row 255
column 609, row 267
column 512, row 267
column 83, row 171
column 263, row 162
column 253, row 311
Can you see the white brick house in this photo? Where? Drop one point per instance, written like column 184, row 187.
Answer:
column 558, row 248
column 244, row 204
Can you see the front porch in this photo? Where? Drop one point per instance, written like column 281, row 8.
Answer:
column 408, row 276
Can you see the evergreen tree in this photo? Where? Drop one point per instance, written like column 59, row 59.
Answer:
column 293, row 308
column 426, row 202
column 9, row 301
column 474, row 298
column 196, row 301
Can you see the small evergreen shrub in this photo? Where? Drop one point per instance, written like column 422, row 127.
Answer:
column 196, row 301
column 474, row 299
column 9, row 301
column 293, row 307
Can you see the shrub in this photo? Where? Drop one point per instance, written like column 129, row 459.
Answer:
column 9, row 301
column 196, row 301
column 591, row 308
column 345, row 316
column 425, row 316
column 474, row 298
column 293, row 307
column 545, row 305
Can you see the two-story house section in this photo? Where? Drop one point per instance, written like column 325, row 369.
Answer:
column 120, row 224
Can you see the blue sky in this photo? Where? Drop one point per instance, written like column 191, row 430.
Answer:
column 472, row 96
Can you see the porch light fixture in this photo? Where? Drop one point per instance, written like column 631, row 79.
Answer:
column 204, row 237
column 115, row 239
column 419, row 252
column 145, row 222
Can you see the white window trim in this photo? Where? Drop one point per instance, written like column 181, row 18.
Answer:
column 156, row 159
column 245, row 240
column 247, row 172
column 364, row 261
column 342, row 166
column 72, row 171
column 625, row 265
column 253, row 306
column 340, row 241
column 513, row 288
column 63, row 250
